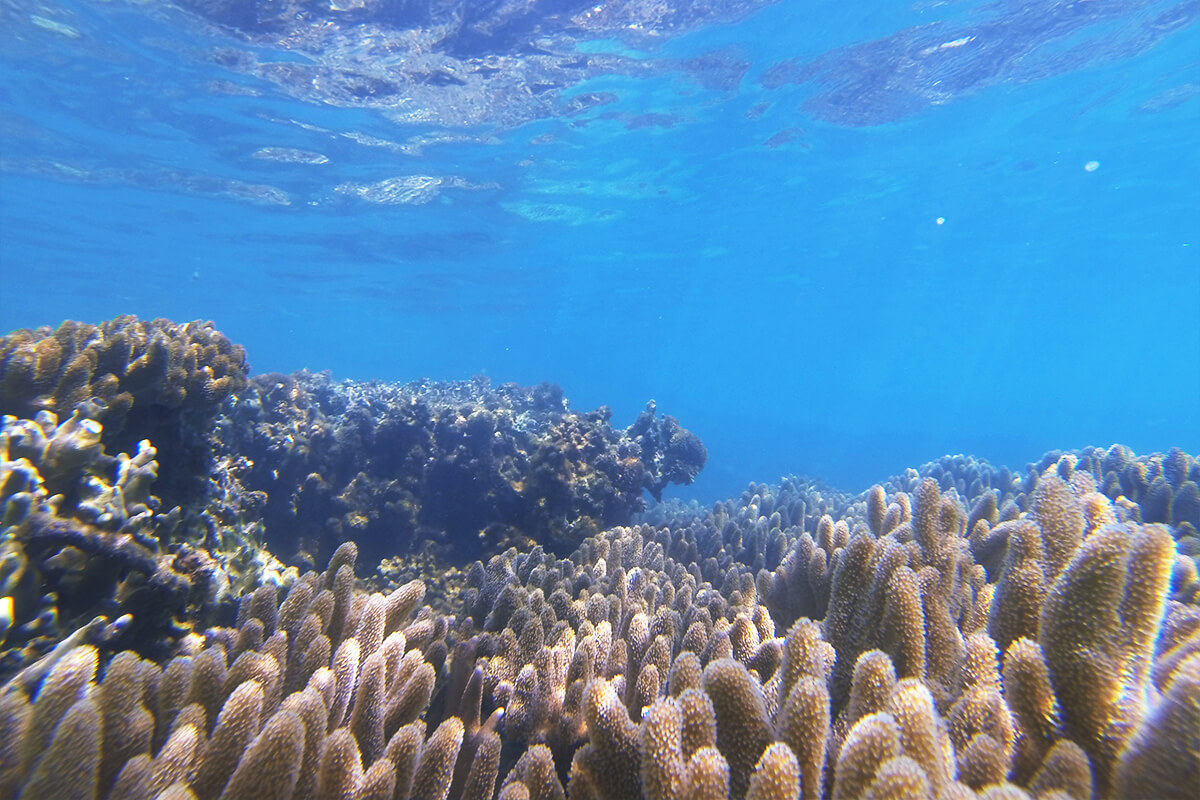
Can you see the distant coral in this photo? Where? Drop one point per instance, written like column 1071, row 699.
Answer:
column 461, row 467
column 122, row 363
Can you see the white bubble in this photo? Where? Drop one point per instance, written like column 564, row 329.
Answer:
column 1092, row 166
column 940, row 220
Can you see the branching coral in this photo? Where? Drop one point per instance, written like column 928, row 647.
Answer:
column 79, row 536
column 941, row 711
column 154, row 380
column 123, row 362
column 225, row 726
column 960, row 632
column 365, row 699
column 1099, row 623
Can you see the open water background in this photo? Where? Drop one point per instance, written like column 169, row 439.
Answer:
column 762, row 255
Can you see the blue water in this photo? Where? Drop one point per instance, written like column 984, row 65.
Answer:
column 831, row 239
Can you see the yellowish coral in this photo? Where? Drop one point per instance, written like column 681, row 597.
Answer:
column 1097, row 631
column 270, row 766
column 70, row 767
column 435, row 769
column 1163, row 758
column 743, row 730
column 872, row 741
column 1017, row 604
column 663, row 765
column 803, row 724
column 921, row 736
column 1058, row 513
column 635, row 674
column 900, row 778
column 776, row 776
column 708, row 775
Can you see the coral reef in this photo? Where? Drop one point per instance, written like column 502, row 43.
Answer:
column 462, row 468
column 296, row 701
column 154, row 380
column 622, row 672
column 144, row 533
column 78, row 537
column 956, row 632
column 298, row 463
column 900, row 690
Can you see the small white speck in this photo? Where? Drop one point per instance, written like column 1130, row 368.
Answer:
column 940, row 220
column 1091, row 166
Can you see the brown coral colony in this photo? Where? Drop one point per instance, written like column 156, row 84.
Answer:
column 499, row 614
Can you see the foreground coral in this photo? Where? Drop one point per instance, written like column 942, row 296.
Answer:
column 82, row 534
column 649, row 665
column 317, row 696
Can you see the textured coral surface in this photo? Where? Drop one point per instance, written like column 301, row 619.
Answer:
column 958, row 631
column 462, row 468
column 151, row 380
